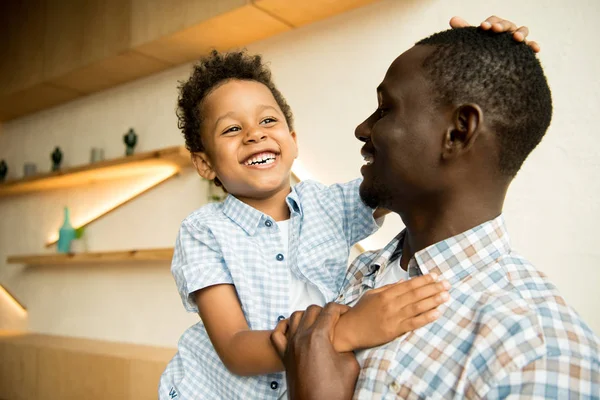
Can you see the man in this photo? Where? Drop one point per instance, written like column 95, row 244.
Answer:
column 458, row 114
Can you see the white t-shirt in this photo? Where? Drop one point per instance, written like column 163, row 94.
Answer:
column 302, row 294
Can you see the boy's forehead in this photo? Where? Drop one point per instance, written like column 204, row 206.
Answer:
column 237, row 94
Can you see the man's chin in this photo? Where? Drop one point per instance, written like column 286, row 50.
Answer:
column 368, row 196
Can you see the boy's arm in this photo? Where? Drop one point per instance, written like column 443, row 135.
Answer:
column 386, row 313
column 243, row 351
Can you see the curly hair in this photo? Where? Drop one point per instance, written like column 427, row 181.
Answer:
column 209, row 73
column 501, row 75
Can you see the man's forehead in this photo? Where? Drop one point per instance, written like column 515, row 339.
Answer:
column 405, row 67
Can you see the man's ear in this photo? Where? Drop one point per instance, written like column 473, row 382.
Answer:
column 203, row 165
column 467, row 123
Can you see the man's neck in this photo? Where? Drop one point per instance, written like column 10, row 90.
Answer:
column 432, row 223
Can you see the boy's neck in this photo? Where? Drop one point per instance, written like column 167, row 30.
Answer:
column 275, row 205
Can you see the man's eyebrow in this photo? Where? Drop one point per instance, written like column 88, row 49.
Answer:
column 381, row 89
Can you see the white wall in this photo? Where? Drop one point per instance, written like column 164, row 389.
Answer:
column 328, row 72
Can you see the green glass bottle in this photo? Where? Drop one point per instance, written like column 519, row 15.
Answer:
column 66, row 234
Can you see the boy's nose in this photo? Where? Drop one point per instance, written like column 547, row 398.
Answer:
column 255, row 136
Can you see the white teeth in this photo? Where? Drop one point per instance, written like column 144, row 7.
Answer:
column 261, row 159
column 368, row 159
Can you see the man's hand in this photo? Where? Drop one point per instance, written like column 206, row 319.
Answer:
column 499, row 25
column 314, row 369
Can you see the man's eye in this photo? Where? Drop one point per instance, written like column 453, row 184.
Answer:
column 381, row 112
column 232, row 129
column 268, row 120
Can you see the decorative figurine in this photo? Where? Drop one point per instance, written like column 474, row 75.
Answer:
column 56, row 157
column 97, row 154
column 66, row 234
column 29, row 169
column 130, row 139
column 3, row 170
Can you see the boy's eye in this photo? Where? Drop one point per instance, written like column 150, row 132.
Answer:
column 268, row 120
column 232, row 129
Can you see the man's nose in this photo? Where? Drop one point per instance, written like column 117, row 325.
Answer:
column 255, row 135
column 363, row 131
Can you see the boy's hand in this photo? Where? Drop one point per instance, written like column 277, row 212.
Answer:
column 499, row 25
column 383, row 314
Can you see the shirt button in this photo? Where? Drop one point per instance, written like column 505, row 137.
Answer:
column 274, row 385
column 280, row 318
column 279, row 257
column 268, row 223
column 395, row 387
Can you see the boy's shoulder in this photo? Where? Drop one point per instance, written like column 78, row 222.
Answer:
column 204, row 215
column 310, row 186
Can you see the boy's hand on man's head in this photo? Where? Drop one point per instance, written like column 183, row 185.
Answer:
column 499, row 25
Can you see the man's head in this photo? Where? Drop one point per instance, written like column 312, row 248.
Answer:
column 461, row 109
column 237, row 125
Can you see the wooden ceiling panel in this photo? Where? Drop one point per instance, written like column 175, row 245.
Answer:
column 232, row 29
column 299, row 13
column 111, row 72
column 34, row 99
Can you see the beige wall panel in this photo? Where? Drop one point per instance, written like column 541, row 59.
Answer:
column 110, row 72
column 236, row 28
column 34, row 99
column 303, row 12
column 153, row 19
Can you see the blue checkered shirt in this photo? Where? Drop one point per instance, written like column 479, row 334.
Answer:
column 233, row 243
column 505, row 332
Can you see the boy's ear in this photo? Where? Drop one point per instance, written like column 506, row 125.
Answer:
column 293, row 133
column 203, row 165
column 466, row 124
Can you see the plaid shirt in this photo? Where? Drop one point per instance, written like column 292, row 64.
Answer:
column 505, row 332
column 233, row 243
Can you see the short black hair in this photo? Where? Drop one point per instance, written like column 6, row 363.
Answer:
column 209, row 73
column 501, row 75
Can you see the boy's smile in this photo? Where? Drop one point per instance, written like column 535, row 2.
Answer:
column 249, row 146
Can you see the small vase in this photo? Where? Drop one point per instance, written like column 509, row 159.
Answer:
column 66, row 234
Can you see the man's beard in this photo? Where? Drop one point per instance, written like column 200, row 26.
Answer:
column 375, row 195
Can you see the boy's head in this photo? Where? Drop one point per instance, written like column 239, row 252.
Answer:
column 237, row 125
column 458, row 114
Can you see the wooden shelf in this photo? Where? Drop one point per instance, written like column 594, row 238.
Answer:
column 158, row 161
column 165, row 254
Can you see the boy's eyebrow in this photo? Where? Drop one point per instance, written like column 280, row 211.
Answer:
column 226, row 115
column 263, row 107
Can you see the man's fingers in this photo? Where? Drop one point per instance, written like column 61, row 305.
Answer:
column 498, row 24
column 280, row 342
column 309, row 317
column 458, row 22
column 328, row 318
column 294, row 322
column 278, row 338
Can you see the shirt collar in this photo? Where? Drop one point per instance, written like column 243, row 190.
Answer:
column 249, row 218
column 457, row 257
column 453, row 258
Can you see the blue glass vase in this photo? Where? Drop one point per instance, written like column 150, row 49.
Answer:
column 66, row 234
